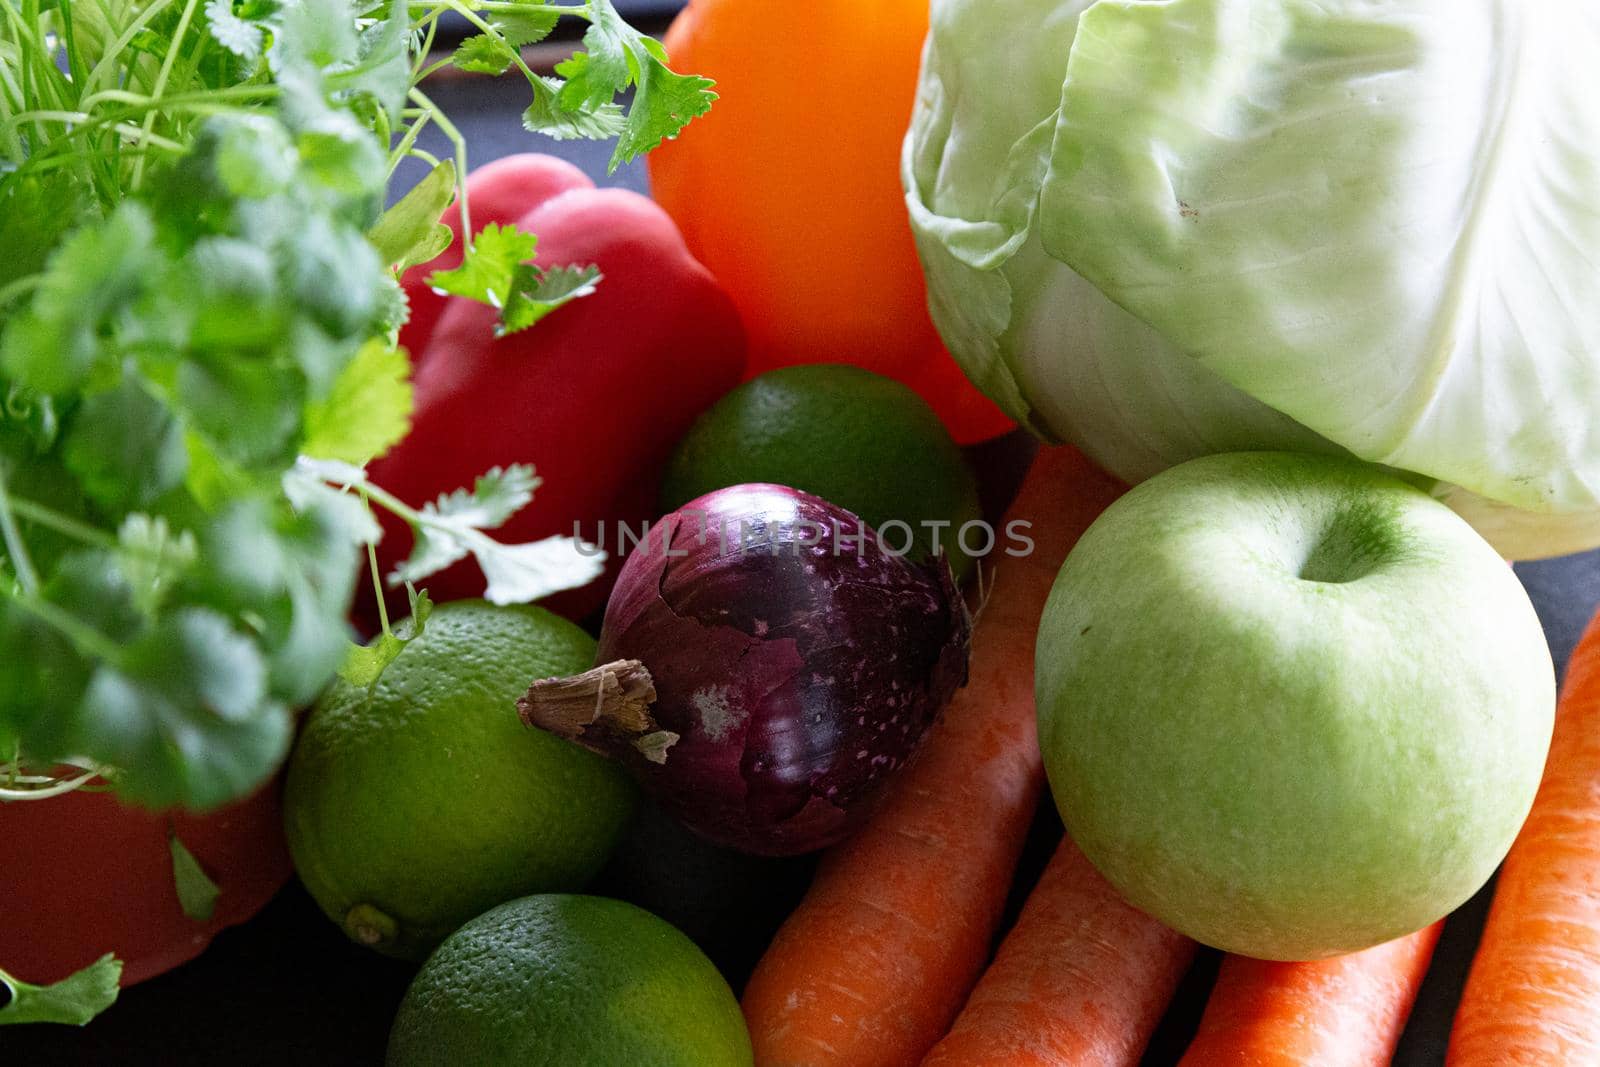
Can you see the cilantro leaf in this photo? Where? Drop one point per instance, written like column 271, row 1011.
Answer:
column 36, row 212
column 365, row 664
column 153, row 559
column 309, row 492
column 366, row 412
column 496, row 272
column 382, row 73
column 197, row 893
column 327, row 470
column 295, row 574
column 125, row 447
column 529, row 26
column 442, row 528
column 340, row 154
column 248, row 409
column 517, row 574
column 496, row 495
column 545, row 291
column 483, row 54
column 664, row 103
column 185, row 714
column 212, row 481
column 243, row 37
column 181, row 311
column 73, row 1001
column 317, row 33
column 618, row 57
column 253, row 156
column 607, row 68
column 488, row 272
column 335, row 277
column 52, row 346
column 410, row 232
column 392, row 307
column 547, row 115
column 231, row 297
column 432, row 550
column 452, row 527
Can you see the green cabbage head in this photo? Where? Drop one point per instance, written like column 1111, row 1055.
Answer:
column 1163, row 228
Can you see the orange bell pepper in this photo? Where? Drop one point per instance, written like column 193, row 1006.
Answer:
column 789, row 190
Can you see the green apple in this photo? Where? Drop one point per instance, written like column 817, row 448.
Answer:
column 1289, row 705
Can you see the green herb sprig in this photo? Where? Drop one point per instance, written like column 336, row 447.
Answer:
column 200, row 288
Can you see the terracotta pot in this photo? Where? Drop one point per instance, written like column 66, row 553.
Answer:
column 82, row 875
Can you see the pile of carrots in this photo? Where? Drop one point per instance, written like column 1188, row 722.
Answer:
column 884, row 963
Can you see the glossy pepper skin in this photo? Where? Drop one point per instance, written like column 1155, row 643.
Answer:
column 594, row 396
column 807, row 226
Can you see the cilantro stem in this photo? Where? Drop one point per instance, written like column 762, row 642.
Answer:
column 81, row 118
column 375, row 494
column 459, row 143
column 205, row 100
column 69, row 38
column 516, row 7
column 434, row 68
column 382, row 497
column 40, row 115
column 427, row 157
column 62, row 524
column 14, row 98
column 30, row 44
column 85, row 638
column 19, row 287
column 430, row 31
column 377, row 577
column 160, row 86
column 508, row 7
column 16, row 548
column 8, row 127
column 43, row 787
column 60, row 161
column 114, row 58
column 409, row 140
column 466, row 11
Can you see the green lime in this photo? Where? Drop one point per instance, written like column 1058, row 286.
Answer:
column 854, row 438
column 414, row 807
column 569, row 981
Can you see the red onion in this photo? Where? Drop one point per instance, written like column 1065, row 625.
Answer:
column 766, row 667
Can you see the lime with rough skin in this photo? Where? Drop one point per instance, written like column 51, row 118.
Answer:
column 414, row 807
column 569, row 981
column 854, row 438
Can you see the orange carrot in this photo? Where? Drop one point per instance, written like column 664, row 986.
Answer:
column 873, row 966
column 1081, row 980
column 1347, row 1011
column 1533, row 996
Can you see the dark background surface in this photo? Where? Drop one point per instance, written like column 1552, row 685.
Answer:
column 288, row 988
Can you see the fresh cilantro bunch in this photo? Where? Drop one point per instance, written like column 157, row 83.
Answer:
column 198, row 308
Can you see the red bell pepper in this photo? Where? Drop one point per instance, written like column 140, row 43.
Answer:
column 595, row 395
